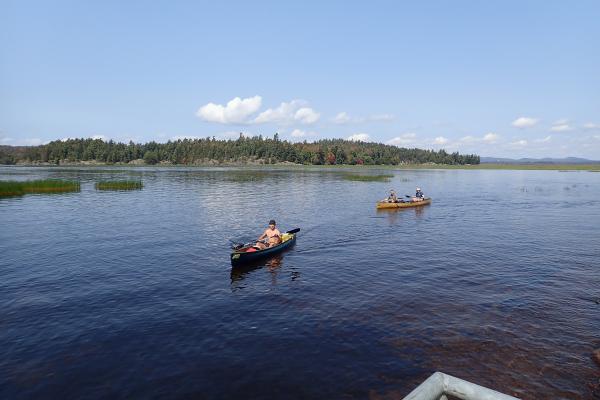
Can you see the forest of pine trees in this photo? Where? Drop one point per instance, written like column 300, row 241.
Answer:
column 243, row 150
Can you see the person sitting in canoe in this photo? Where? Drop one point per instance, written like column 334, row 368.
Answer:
column 272, row 236
column 419, row 196
column 392, row 198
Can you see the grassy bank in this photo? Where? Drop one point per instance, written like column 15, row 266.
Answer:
column 119, row 185
column 16, row 188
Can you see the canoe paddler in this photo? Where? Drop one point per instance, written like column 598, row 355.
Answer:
column 392, row 198
column 272, row 236
column 419, row 196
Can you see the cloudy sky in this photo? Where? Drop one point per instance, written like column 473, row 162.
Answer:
column 513, row 78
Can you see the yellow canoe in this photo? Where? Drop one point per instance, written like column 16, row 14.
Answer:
column 403, row 204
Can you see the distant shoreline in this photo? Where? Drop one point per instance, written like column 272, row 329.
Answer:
column 484, row 166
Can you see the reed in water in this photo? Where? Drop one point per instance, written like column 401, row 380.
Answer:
column 119, row 185
column 19, row 188
column 368, row 178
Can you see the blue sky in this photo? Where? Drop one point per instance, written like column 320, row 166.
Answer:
column 509, row 78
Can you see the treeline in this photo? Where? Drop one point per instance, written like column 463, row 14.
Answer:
column 243, row 150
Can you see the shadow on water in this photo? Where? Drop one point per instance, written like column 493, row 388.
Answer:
column 272, row 264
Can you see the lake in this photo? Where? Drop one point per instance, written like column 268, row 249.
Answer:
column 132, row 295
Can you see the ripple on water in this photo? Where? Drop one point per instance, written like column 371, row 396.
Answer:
column 131, row 295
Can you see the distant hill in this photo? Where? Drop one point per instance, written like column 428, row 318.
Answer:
column 547, row 160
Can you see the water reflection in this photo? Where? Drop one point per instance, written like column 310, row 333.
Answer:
column 243, row 272
column 419, row 211
column 394, row 215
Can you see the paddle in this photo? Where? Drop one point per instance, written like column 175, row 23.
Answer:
column 410, row 197
column 236, row 245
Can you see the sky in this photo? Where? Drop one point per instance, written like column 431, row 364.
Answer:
column 504, row 79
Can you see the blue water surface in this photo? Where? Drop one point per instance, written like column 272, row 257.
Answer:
column 130, row 294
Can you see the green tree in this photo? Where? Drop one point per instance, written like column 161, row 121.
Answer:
column 151, row 157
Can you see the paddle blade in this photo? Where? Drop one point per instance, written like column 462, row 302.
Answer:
column 294, row 231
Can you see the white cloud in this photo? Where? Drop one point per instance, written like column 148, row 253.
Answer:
column 5, row 139
column 299, row 133
column 591, row 125
column 359, row 137
column 283, row 113
column 440, row 140
column 381, row 117
column 240, row 111
column 524, row 122
column 232, row 135
column 306, row 115
column 488, row 138
column 491, row 138
column 27, row 142
column 561, row 128
column 341, row 118
column 519, row 143
column 544, row 140
column 404, row 139
column 561, row 125
column 286, row 113
column 236, row 111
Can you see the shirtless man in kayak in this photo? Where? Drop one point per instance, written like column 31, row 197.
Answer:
column 272, row 235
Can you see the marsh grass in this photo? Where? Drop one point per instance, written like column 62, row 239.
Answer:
column 368, row 178
column 19, row 188
column 119, row 185
column 246, row 176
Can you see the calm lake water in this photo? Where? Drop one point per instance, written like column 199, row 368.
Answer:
column 131, row 294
